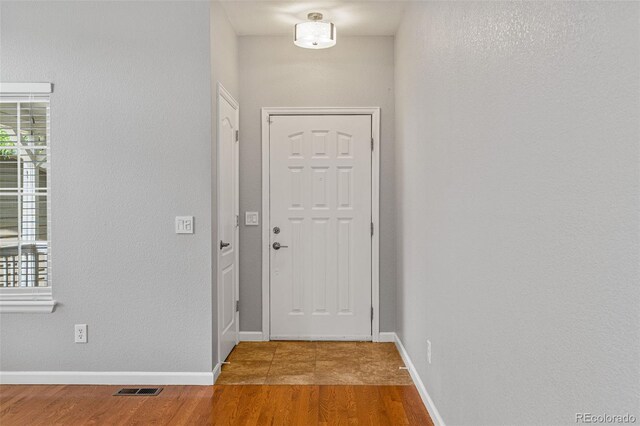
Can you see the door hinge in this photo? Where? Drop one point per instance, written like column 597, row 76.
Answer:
column 371, row 144
column 237, row 306
column 237, row 221
column 372, row 229
column 372, row 313
column 237, row 135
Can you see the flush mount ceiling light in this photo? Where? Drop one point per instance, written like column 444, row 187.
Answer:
column 315, row 33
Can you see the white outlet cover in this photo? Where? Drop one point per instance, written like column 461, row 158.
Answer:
column 184, row 224
column 429, row 351
column 251, row 218
column 81, row 333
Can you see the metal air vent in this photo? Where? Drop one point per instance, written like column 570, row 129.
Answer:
column 138, row 392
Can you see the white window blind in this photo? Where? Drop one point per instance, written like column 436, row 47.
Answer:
column 25, row 216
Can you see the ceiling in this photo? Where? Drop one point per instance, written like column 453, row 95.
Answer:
column 352, row 18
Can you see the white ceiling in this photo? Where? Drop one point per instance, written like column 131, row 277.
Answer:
column 351, row 18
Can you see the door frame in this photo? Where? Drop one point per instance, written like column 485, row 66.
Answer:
column 223, row 93
column 374, row 112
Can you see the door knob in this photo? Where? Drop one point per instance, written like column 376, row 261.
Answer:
column 278, row 246
column 223, row 244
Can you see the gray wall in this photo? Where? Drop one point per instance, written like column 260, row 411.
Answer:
column 131, row 149
column 358, row 71
column 224, row 70
column 518, row 195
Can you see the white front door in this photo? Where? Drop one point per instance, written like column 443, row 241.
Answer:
column 320, row 215
column 227, row 244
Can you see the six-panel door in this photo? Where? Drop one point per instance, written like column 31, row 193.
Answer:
column 320, row 199
column 227, row 245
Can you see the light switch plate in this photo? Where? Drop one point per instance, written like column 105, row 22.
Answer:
column 251, row 219
column 184, row 224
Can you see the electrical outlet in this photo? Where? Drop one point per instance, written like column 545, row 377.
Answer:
column 81, row 333
column 429, row 351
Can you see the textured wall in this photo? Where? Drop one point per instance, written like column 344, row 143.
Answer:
column 358, row 71
column 518, row 196
column 131, row 149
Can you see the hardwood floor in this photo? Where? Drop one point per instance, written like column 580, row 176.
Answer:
column 214, row 405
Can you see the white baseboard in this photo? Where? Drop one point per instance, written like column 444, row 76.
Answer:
column 216, row 372
column 256, row 336
column 317, row 338
column 422, row 390
column 251, row 336
column 386, row 336
column 107, row 378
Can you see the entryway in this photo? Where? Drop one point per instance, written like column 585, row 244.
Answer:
column 320, row 255
column 320, row 210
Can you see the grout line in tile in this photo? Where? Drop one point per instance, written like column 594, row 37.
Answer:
column 270, row 365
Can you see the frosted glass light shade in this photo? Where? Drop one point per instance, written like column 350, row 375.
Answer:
column 314, row 35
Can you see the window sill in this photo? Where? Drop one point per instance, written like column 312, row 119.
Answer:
column 35, row 300
column 27, row 306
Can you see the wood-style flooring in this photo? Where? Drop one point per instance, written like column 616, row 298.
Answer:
column 214, row 405
column 315, row 363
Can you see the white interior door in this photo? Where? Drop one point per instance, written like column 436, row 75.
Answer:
column 320, row 201
column 228, row 207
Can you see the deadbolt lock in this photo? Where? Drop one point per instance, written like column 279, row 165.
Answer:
column 276, row 230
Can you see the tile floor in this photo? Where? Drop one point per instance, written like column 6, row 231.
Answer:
column 314, row 363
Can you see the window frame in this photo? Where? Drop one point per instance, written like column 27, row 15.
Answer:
column 30, row 299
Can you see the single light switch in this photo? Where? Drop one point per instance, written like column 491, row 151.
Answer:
column 184, row 224
column 251, row 219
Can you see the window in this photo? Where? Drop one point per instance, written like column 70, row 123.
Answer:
column 25, row 256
